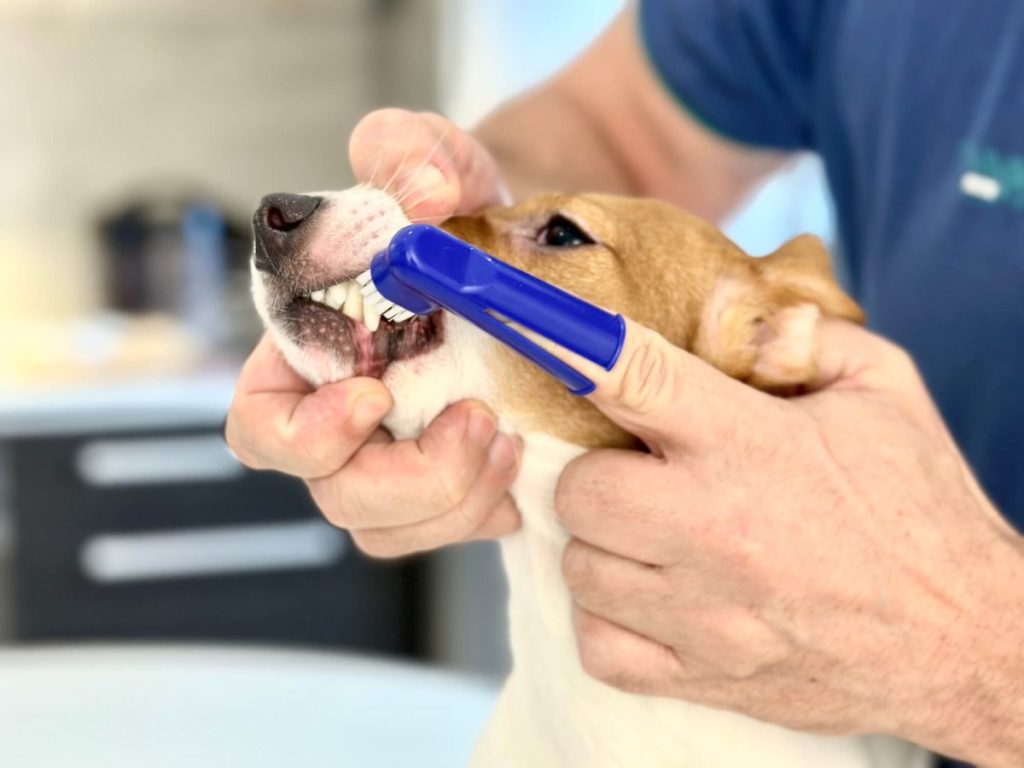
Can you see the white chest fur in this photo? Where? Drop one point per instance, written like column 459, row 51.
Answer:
column 551, row 714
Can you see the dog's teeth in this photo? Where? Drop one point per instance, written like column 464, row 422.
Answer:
column 335, row 296
column 318, row 296
column 353, row 301
column 371, row 318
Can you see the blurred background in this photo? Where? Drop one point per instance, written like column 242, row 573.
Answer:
column 158, row 602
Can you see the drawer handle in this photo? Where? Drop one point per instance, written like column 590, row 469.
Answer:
column 112, row 558
column 195, row 458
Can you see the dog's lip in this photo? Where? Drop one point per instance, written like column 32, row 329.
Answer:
column 371, row 352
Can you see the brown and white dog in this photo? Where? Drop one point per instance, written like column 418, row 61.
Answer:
column 752, row 318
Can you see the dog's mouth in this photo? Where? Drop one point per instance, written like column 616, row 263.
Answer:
column 335, row 319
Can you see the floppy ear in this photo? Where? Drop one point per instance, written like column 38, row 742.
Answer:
column 758, row 325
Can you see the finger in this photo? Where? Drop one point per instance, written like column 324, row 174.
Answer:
column 487, row 512
column 850, row 356
column 615, row 588
column 672, row 400
column 503, row 520
column 277, row 421
column 436, row 169
column 606, row 498
column 410, row 481
column 624, row 659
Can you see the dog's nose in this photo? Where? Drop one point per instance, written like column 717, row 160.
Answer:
column 276, row 225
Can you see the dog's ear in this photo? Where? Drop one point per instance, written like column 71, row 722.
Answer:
column 759, row 323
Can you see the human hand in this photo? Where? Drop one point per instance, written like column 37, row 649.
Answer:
column 436, row 169
column 396, row 497
column 826, row 563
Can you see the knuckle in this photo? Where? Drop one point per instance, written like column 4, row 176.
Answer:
column 320, row 457
column 602, row 665
column 579, row 482
column 235, row 443
column 340, row 502
column 577, row 566
column 243, row 455
column 324, row 495
column 647, row 382
column 899, row 357
column 445, row 489
column 379, row 544
column 466, row 518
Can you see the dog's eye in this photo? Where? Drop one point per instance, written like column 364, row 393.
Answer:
column 560, row 232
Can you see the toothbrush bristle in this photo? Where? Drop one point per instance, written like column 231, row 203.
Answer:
column 393, row 313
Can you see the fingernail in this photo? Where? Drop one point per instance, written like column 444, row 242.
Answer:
column 481, row 427
column 502, row 454
column 367, row 411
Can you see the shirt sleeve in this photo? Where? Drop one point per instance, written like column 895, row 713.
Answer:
column 743, row 68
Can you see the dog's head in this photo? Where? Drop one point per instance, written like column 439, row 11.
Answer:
column 752, row 318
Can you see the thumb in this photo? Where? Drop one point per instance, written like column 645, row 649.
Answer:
column 669, row 398
column 430, row 165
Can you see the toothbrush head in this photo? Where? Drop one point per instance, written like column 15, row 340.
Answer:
column 425, row 269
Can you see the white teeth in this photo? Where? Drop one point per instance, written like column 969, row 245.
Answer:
column 336, row 296
column 360, row 300
column 371, row 318
column 353, row 301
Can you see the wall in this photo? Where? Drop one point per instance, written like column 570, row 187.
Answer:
column 235, row 98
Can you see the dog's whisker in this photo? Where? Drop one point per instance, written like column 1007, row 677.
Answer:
column 405, row 156
column 400, row 195
column 418, row 201
column 376, row 166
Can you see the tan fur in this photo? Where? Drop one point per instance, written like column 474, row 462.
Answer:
column 669, row 270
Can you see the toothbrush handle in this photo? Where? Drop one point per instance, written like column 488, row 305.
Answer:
column 470, row 283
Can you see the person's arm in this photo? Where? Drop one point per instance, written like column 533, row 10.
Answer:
column 604, row 124
column 831, row 564
column 607, row 123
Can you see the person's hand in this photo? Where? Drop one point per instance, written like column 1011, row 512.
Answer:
column 436, row 169
column 396, row 497
column 826, row 563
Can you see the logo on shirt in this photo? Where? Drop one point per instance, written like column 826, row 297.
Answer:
column 993, row 177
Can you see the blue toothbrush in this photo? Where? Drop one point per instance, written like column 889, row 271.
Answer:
column 425, row 269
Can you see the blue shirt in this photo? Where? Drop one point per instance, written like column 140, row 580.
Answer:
column 917, row 109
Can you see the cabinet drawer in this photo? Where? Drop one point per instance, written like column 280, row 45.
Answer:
column 164, row 535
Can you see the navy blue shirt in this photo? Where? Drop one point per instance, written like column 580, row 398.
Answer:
column 917, row 108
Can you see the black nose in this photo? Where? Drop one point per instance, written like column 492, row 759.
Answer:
column 277, row 225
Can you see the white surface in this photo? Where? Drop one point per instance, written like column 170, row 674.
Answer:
column 154, row 707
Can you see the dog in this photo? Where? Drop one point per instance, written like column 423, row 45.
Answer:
column 754, row 319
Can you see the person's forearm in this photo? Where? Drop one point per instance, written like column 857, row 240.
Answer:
column 606, row 124
column 569, row 154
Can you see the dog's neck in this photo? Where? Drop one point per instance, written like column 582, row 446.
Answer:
column 551, row 713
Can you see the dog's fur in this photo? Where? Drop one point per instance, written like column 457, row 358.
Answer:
column 752, row 318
